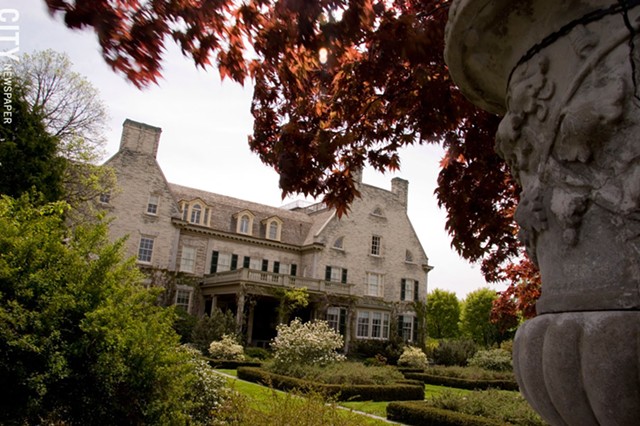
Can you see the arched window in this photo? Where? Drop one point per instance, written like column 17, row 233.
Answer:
column 339, row 243
column 273, row 230
column 196, row 211
column 244, row 224
column 408, row 256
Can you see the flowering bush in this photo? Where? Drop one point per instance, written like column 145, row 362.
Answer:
column 306, row 343
column 227, row 348
column 493, row 359
column 209, row 399
column 413, row 357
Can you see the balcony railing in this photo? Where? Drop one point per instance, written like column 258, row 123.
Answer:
column 272, row 279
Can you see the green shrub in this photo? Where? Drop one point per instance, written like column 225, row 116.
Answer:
column 413, row 357
column 226, row 348
column 462, row 383
column 391, row 350
column 472, row 373
column 310, row 343
column 353, row 373
column 419, row 413
column 493, row 359
column 504, row 407
column 257, row 353
column 209, row 328
column 454, row 352
column 344, row 392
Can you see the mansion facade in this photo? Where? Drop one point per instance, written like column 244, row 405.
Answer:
column 362, row 272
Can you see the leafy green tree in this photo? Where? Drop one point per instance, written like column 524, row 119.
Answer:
column 29, row 158
column 443, row 314
column 209, row 328
column 476, row 321
column 82, row 341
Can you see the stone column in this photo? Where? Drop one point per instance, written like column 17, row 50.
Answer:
column 564, row 74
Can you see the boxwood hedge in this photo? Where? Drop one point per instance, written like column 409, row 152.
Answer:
column 419, row 413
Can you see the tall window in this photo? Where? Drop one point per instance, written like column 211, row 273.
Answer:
column 152, row 204
column 145, row 249
column 183, row 299
column 196, row 211
column 221, row 262
column 188, row 259
column 409, row 290
column 407, row 328
column 362, row 330
column 273, row 231
column 376, row 245
column 375, row 285
column 337, row 319
column 244, row 224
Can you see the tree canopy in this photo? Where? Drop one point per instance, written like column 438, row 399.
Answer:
column 443, row 314
column 338, row 84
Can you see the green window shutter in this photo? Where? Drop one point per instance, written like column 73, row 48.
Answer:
column 265, row 265
column 414, row 336
column 416, row 287
column 327, row 273
column 234, row 262
column 403, row 289
column 400, row 325
column 276, row 267
column 246, row 262
column 294, row 269
column 214, row 262
column 344, row 276
column 342, row 326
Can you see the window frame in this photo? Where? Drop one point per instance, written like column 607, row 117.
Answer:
column 146, row 239
column 379, row 285
column 188, row 264
column 376, row 246
column 153, row 204
column 375, row 320
column 182, row 291
column 196, row 214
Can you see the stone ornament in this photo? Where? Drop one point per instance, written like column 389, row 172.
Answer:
column 565, row 77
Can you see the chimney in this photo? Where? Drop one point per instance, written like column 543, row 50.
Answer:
column 140, row 137
column 400, row 189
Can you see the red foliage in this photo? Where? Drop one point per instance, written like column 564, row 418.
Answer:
column 384, row 85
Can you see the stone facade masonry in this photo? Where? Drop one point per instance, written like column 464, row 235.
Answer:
column 201, row 234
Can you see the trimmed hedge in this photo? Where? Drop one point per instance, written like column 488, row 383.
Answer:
column 457, row 382
column 404, row 391
column 419, row 413
column 230, row 364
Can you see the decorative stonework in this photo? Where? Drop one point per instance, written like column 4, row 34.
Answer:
column 563, row 74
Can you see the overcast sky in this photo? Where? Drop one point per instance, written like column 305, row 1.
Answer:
column 205, row 124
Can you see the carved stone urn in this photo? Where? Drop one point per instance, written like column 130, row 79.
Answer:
column 565, row 75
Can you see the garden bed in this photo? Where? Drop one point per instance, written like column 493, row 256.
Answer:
column 402, row 391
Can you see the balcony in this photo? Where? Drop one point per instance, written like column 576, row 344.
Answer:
column 271, row 279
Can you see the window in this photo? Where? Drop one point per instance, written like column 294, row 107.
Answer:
column 183, row 299
column 105, row 198
column 336, row 275
column 337, row 319
column 185, row 208
column 376, row 245
column 409, row 290
column 152, row 204
column 273, row 231
column 339, row 243
column 221, row 262
column 374, row 285
column 408, row 327
column 145, row 249
column 377, row 212
column 244, row 224
column 206, row 217
column 255, row 264
column 408, row 257
column 362, row 330
column 276, row 267
column 196, row 211
column 188, row 259
column 372, row 325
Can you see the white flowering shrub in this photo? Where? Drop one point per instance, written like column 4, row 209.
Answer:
column 413, row 357
column 226, row 348
column 209, row 397
column 306, row 343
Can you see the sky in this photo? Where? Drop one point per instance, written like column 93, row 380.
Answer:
column 205, row 124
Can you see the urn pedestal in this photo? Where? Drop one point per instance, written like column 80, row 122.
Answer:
column 565, row 75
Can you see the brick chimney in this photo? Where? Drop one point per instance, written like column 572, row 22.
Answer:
column 400, row 188
column 140, row 137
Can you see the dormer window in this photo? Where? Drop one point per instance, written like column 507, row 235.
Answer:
column 273, row 228
column 196, row 211
column 244, row 222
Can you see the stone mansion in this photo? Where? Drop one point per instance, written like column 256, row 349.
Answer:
column 362, row 272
